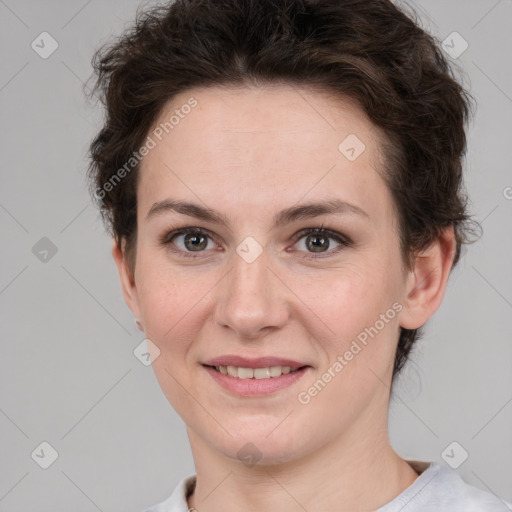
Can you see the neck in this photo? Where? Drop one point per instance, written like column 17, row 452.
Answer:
column 347, row 474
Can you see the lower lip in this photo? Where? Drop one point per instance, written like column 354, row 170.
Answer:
column 255, row 387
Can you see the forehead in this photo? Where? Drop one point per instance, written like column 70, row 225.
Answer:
column 258, row 145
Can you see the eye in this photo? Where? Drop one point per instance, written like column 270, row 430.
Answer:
column 188, row 241
column 192, row 242
column 317, row 241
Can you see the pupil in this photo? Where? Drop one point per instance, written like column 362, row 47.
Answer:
column 317, row 246
column 198, row 241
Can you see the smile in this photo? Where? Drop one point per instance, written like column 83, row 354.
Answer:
column 255, row 373
column 255, row 382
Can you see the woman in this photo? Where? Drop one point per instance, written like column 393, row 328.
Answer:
column 283, row 183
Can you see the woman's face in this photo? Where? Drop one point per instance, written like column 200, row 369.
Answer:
column 252, row 287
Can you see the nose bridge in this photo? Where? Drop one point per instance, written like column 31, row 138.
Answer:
column 251, row 300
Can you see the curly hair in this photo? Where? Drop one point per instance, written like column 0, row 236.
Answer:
column 368, row 51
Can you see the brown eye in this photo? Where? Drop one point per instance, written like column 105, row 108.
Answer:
column 318, row 240
column 195, row 242
column 187, row 241
column 317, row 243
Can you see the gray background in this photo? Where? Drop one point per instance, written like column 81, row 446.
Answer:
column 68, row 375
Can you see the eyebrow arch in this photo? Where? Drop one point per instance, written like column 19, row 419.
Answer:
column 286, row 216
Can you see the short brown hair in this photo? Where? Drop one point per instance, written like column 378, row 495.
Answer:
column 369, row 51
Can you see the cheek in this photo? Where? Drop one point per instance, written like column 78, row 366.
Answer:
column 355, row 307
column 165, row 291
column 173, row 308
column 351, row 295
column 170, row 304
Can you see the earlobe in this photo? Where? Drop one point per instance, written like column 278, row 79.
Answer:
column 426, row 283
column 127, row 279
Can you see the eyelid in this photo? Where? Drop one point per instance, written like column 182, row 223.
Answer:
column 171, row 233
column 339, row 237
column 343, row 241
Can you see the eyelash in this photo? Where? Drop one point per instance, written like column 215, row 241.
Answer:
column 344, row 241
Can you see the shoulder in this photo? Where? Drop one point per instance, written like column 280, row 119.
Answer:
column 441, row 489
column 467, row 498
column 177, row 501
column 437, row 489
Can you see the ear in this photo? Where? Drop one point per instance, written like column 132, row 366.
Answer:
column 426, row 283
column 127, row 279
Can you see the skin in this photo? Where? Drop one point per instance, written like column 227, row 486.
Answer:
column 249, row 153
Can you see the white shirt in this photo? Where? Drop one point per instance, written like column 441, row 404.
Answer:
column 437, row 489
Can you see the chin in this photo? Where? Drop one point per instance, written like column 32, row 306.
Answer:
column 265, row 446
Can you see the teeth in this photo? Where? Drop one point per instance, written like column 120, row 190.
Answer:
column 243, row 373
column 232, row 371
column 260, row 373
column 255, row 373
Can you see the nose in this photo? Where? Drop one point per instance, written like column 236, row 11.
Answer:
column 252, row 299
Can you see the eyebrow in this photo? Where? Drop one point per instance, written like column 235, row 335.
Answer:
column 286, row 216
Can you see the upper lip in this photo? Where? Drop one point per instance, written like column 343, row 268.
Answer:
column 257, row 362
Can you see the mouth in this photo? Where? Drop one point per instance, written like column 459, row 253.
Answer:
column 255, row 382
column 268, row 372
